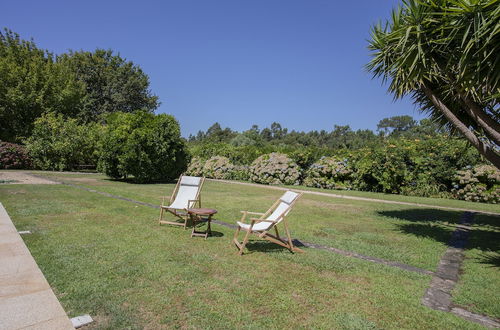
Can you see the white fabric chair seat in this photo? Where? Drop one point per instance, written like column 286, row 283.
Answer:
column 188, row 190
column 259, row 226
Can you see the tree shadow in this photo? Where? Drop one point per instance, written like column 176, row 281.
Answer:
column 441, row 226
column 491, row 260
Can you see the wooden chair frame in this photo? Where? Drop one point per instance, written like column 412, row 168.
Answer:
column 180, row 213
column 288, row 243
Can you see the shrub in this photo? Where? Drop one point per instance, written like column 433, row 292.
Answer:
column 61, row 144
column 329, row 173
column 411, row 166
column 143, row 145
column 478, row 184
column 218, row 167
column 13, row 156
column 275, row 168
column 195, row 167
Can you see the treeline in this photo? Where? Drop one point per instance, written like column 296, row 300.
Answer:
column 78, row 84
column 402, row 157
column 340, row 137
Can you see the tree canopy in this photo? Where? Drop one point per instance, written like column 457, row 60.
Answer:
column 111, row 83
column 32, row 83
column 445, row 54
column 80, row 85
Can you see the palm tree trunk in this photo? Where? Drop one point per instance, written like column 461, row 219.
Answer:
column 491, row 127
column 483, row 149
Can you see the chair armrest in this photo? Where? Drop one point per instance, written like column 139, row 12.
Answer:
column 260, row 220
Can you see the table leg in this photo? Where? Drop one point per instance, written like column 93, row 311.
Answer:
column 193, row 223
column 209, row 229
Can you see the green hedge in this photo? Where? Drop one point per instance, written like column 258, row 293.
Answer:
column 143, row 146
column 62, row 144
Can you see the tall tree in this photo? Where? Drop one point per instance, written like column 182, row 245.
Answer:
column 112, row 83
column 446, row 55
column 396, row 124
column 31, row 84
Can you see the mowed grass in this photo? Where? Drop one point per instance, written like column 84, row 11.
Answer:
column 479, row 287
column 111, row 259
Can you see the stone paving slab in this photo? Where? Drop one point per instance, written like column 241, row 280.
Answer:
column 26, row 299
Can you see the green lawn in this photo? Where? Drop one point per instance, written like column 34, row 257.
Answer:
column 111, row 259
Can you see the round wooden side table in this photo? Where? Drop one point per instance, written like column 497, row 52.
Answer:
column 198, row 215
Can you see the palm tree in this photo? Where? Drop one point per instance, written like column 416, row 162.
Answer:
column 445, row 54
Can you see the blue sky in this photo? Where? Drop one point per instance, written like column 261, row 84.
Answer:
column 238, row 62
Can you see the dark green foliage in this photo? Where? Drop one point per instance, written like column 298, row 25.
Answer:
column 396, row 125
column 111, row 83
column 445, row 54
column 62, row 144
column 32, row 83
column 142, row 145
column 80, row 85
column 13, row 156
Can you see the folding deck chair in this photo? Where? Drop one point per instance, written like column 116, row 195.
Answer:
column 185, row 195
column 267, row 221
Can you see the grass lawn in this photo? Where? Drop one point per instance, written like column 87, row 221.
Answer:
column 111, row 259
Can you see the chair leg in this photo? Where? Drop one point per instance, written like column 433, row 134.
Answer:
column 290, row 244
column 161, row 215
column 236, row 233
column 245, row 240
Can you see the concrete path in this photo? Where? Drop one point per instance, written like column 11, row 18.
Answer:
column 26, row 299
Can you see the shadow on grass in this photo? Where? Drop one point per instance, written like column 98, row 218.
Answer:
column 270, row 247
column 440, row 224
column 491, row 260
column 133, row 181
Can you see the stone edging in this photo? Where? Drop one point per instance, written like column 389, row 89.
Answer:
column 439, row 295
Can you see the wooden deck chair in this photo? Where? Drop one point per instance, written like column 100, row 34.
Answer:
column 267, row 221
column 185, row 195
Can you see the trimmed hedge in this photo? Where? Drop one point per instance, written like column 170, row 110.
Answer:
column 145, row 146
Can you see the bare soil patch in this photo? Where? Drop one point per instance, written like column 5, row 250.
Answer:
column 16, row 177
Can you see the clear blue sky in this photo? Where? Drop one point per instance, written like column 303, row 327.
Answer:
column 238, row 62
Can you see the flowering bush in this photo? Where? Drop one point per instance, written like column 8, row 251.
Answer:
column 478, row 184
column 329, row 173
column 13, row 156
column 195, row 168
column 218, row 167
column 275, row 168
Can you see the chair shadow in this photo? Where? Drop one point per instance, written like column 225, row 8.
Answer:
column 132, row 181
column 216, row 234
column 266, row 246
column 440, row 226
